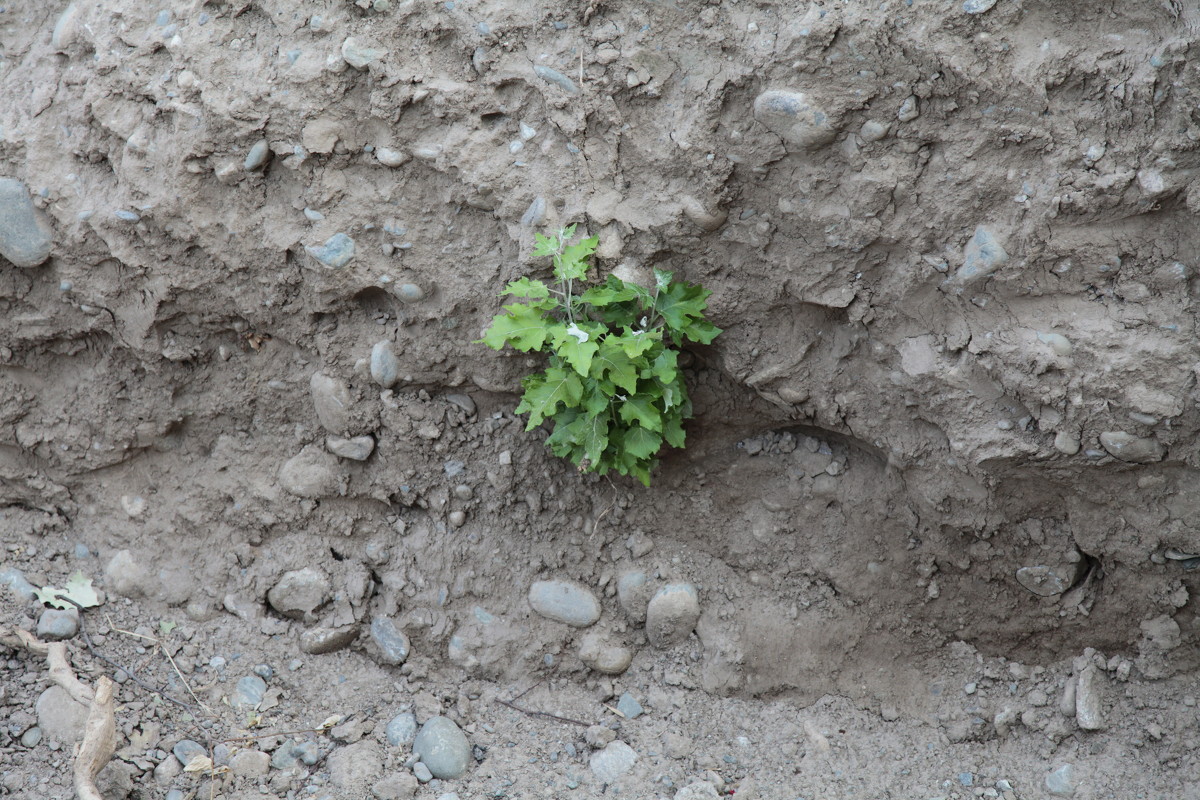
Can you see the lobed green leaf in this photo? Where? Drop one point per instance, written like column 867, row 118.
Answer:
column 522, row 326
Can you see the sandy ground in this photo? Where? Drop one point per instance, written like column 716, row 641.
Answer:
column 938, row 504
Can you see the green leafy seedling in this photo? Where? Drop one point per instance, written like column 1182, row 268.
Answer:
column 612, row 389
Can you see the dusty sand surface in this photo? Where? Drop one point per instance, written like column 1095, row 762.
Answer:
column 940, row 497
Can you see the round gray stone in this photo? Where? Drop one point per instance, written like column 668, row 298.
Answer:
column 385, row 367
column 331, row 400
column 186, row 749
column 633, row 594
column 312, row 473
column 603, row 657
column 795, row 118
column 357, row 448
column 672, row 614
column 249, row 692
column 321, row 640
column 443, row 748
column 565, row 601
column 402, row 729
column 55, row 625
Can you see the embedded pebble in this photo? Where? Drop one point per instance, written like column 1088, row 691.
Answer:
column 978, row 6
column 257, row 156
column 872, row 131
column 125, row 215
column 299, row 592
column 982, row 256
column 359, row 55
column 402, row 729
column 290, row 753
column 443, row 748
column 599, row 655
column 331, row 400
column 672, row 614
column 358, row 448
column 428, row 152
column 249, row 692
column 31, row 737
column 629, row 707
column 909, row 110
column 391, row 158
column 59, row 715
column 56, row 625
column 22, row 240
column 1046, row 581
column 633, row 594
column 312, row 215
column 616, row 759
column 20, row 589
column 536, row 212
column 1134, row 449
column 1089, row 714
column 409, row 292
column 793, row 116
column 1061, row 782
column 1060, row 344
column 388, row 644
column 65, row 29
column 186, row 750
column 704, row 219
column 1066, row 442
column 421, row 772
column 384, row 364
column 322, row 640
column 311, row 473
column 527, row 131
column 557, row 78
column 335, row 253
column 565, row 601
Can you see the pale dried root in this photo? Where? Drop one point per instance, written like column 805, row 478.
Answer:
column 99, row 741
column 100, row 730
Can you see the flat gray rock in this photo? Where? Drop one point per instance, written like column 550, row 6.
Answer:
column 22, row 240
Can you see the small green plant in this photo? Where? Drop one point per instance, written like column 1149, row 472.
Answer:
column 612, row 390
